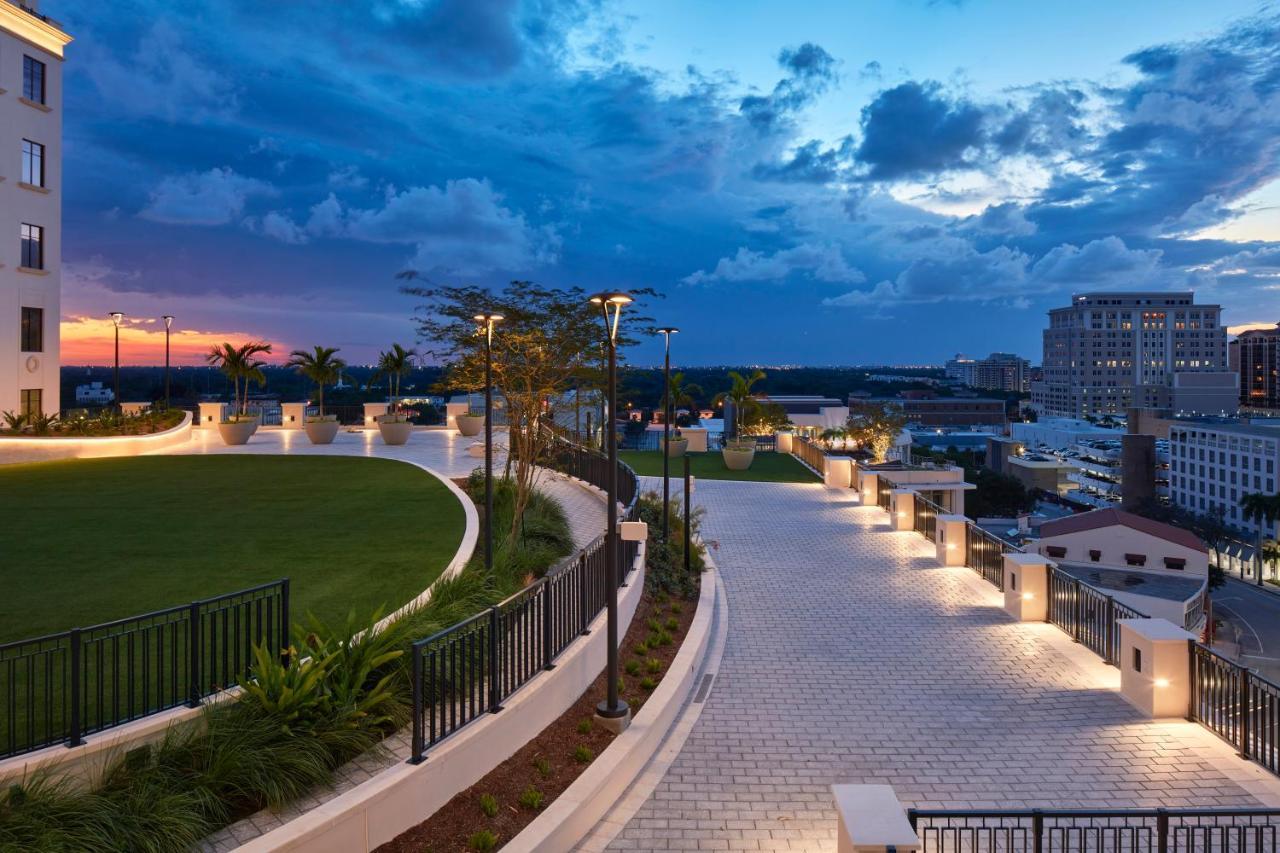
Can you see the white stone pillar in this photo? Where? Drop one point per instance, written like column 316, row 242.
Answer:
column 902, row 509
column 372, row 411
column 697, row 437
column 1026, row 587
column 292, row 415
column 870, row 486
column 785, row 439
column 1155, row 666
column 839, row 472
column 212, row 414
column 872, row 820
column 951, row 539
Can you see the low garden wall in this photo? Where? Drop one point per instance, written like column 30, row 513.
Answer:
column 17, row 449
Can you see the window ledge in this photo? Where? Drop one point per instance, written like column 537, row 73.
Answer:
column 32, row 271
column 33, row 187
column 44, row 108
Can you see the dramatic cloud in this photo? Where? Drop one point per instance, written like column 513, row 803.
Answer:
column 914, row 129
column 810, row 71
column 822, row 262
column 215, row 197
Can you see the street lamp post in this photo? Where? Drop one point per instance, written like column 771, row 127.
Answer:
column 487, row 322
column 168, row 324
column 116, row 318
column 613, row 708
column 667, row 332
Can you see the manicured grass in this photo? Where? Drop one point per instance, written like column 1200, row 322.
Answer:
column 767, row 467
column 89, row 541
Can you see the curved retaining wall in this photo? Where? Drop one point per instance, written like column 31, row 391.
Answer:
column 16, row 450
column 402, row 796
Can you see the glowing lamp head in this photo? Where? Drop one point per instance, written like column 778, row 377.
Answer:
column 168, row 321
column 117, row 317
column 611, row 297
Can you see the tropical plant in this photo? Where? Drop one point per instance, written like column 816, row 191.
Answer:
column 240, row 364
column 394, row 365
column 829, row 437
column 682, row 394
column 321, row 366
column 1263, row 510
column 740, row 396
column 15, row 421
column 874, row 426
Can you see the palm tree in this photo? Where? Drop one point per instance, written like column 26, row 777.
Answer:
column 683, row 394
column 831, row 436
column 238, row 363
column 321, row 366
column 1263, row 510
column 739, row 394
column 394, row 365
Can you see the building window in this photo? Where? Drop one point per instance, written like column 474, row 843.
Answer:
column 32, row 401
column 33, row 80
column 32, row 329
column 32, row 246
column 32, row 163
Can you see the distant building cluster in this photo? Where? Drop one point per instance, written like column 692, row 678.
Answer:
column 1000, row 371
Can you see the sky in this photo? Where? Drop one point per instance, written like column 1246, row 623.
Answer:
column 823, row 183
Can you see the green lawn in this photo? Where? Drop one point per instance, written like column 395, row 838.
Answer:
column 89, row 541
column 767, row 467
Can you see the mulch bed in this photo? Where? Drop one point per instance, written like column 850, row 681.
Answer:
column 548, row 763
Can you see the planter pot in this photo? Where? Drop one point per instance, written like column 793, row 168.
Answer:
column 394, row 432
column 738, row 458
column 677, row 447
column 237, row 432
column 469, row 425
column 322, row 431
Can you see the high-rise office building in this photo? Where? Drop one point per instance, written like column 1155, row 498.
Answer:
column 1106, row 352
column 1256, row 357
column 31, row 49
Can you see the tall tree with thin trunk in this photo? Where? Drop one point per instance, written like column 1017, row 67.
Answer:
column 321, row 366
column 1263, row 510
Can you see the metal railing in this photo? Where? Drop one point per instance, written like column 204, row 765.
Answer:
column 926, row 520
column 1237, row 704
column 1201, row 830
column 61, row 687
column 984, row 553
column 884, row 493
column 1089, row 615
column 471, row 668
column 809, row 453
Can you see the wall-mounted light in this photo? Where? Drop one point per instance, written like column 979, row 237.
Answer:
column 1162, row 682
column 1026, row 596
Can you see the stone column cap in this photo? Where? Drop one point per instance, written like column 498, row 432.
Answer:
column 963, row 518
column 1021, row 559
column 1156, row 630
column 873, row 817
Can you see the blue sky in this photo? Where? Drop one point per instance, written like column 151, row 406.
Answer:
column 807, row 183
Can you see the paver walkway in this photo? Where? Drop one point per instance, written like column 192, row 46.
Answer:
column 851, row 657
column 442, row 451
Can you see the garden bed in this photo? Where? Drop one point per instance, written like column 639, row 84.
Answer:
column 106, row 424
column 492, row 812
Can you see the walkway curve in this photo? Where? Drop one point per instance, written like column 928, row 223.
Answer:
column 852, row 657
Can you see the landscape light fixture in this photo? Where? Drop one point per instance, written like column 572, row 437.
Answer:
column 667, row 406
column 611, row 304
column 116, row 318
column 168, row 324
column 486, row 323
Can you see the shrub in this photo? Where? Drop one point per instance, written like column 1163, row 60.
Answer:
column 633, row 667
column 584, row 727
column 672, row 623
column 665, row 639
column 653, row 665
column 542, row 766
column 483, row 841
column 648, row 683
column 532, row 798
column 583, row 754
column 664, row 562
column 654, row 623
column 675, row 608
column 489, row 805
column 642, row 647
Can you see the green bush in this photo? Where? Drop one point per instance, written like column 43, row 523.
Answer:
column 583, row 754
column 542, row 766
column 489, row 805
column 647, row 683
column 532, row 798
column 653, row 665
column 664, row 562
column 483, row 841
column 584, row 727
column 633, row 667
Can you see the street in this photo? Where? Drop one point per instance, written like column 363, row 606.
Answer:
column 1250, row 621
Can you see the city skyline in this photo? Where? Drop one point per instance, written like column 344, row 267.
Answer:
column 801, row 186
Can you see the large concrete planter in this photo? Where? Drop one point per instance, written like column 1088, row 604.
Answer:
column 677, row 447
column 394, row 430
column 738, row 458
column 237, row 432
column 470, row 425
column 321, row 430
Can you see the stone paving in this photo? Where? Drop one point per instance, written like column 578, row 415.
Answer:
column 444, row 452
column 851, row 657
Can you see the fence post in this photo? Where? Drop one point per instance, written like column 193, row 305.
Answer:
column 193, row 655
column 1037, row 830
column 1162, row 830
column 548, row 614
column 415, row 756
column 1113, row 656
column 1075, row 612
column 284, row 615
column 73, row 733
column 584, row 606
column 1246, row 714
column 495, row 692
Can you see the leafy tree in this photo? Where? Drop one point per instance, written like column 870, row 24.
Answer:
column 548, row 342
column 875, row 426
column 321, row 366
column 240, row 363
column 1263, row 510
column 998, row 495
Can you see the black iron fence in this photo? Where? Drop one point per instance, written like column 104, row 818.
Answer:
column 884, row 493
column 809, row 453
column 1256, row 830
column 61, row 687
column 984, row 553
column 1237, row 704
column 926, row 521
column 471, row 668
column 1089, row 615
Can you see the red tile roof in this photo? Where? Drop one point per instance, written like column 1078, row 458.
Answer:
column 1099, row 518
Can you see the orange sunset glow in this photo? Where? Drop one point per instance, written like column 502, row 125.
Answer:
column 91, row 340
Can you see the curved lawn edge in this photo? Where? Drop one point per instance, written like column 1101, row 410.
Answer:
column 573, row 814
column 83, row 762
column 15, row 450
